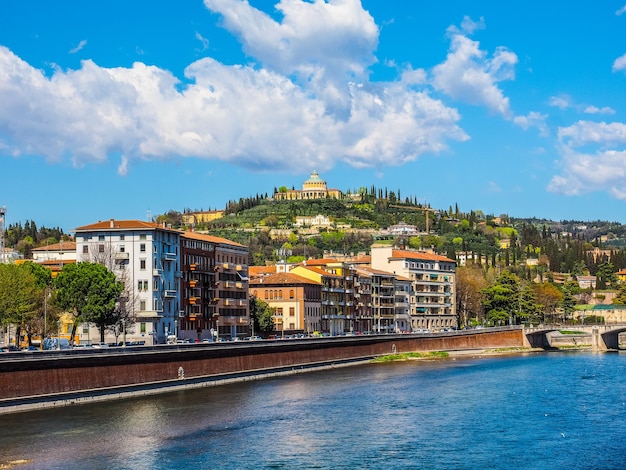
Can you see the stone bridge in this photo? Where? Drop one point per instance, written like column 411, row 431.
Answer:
column 603, row 337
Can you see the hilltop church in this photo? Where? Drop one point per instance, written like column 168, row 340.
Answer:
column 313, row 188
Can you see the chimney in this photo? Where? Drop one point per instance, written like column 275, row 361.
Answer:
column 111, row 225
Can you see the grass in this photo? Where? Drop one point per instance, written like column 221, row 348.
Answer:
column 570, row 332
column 411, row 355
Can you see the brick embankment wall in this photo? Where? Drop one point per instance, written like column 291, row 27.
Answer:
column 45, row 374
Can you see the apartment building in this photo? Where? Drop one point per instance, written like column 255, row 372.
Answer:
column 432, row 303
column 297, row 301
column 145, row 257
column 214, row 287
column 180, row 285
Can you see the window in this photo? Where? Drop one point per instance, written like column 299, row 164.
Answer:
column 100, row 238
column 142, row 264
column 279, row 311
column 142, row 247
column 142, row 327
column 142, row 236
column 292, row 311
column 100, row 248
column 291, row 294
column 122, row 248
column 122, row 236
column 142, row 305
column 85, row 249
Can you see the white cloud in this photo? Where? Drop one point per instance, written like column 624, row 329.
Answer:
column 595, row 110
column 566, row 102
column 561, row 102
column 251, row 116
column 204, row 41
column 593, row 158
column 122, row 169
column 620, row 63
column 81, row 44
column 621, row 11
column 533, row 119
column 470, row 76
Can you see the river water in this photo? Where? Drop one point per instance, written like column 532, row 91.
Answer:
column 536, row 411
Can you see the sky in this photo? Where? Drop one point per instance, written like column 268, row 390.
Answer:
column 128, row 110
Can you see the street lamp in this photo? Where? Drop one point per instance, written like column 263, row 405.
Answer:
column 176, row 329
column 124, row 332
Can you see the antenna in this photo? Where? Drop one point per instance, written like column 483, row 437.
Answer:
column 149, row 215
column 3, row 212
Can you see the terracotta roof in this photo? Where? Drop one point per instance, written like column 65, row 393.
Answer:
column 281, row 278
column 404, row 254
column 210, row 238
column 257, row 271
column 62, row 246
column 124, row 225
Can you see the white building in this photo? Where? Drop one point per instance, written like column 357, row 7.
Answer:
column 145, row 257
column 432, row 277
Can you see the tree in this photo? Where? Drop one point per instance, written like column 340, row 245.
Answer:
column 549, row 296
column 568, row 301
column 501, row 299
column 262, row 315
column 90, row 292
column 17, row 296
column 45, row 314
column 529, row 307
column 469, row 284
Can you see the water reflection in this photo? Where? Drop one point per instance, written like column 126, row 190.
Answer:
column 560, row 411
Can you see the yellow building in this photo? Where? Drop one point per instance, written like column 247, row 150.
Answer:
column 195, row 218
column 313, row 188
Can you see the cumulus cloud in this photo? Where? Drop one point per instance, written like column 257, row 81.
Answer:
column 258, row 116
column 81, row 44
column 593, row 158
column 561, row 102
column 621, row 11
column 595, row 110
column 620, row 63
column 533, row 119
column 469, row 75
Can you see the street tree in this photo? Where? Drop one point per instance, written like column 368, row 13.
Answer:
column 90, row 292
column 262, row 315
column 501, row 299
column 470, row 281
column 17, row 297
column 549, row 296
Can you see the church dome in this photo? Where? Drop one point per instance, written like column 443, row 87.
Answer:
column 314, row 182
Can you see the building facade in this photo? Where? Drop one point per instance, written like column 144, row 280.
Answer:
column 297, row 301
column 432, row 278
column 145, row 257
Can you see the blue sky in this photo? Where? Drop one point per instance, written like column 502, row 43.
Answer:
column 123, row 109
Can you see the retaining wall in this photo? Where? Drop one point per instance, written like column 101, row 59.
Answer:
column 48, row 373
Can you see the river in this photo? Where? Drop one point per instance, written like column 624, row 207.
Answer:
column 534, row 411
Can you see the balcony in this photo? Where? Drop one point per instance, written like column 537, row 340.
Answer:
column 194, row 300
column 169, row 256
column 157, row 272
column 169, row 293
column 122, row 256
column 239, row 267
column 193, row 283
column 193, row 267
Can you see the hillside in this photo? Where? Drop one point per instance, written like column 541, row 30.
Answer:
column 269, row 228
